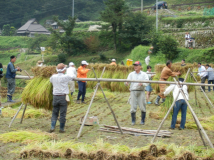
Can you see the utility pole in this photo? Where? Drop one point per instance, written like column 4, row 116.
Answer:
column 141, row 6
column 73, row 9
column 156, row 15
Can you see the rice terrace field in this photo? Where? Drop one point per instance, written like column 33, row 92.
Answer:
column 30, row 140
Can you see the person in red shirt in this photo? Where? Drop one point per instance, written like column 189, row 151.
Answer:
column 82, row 73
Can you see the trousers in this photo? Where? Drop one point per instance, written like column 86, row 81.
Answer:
column 180, row 104
column 203, row 81
column 138, row 98
column 162, row 89
column 59, row 106
column 71, row 85
column 11, row 86
column 82, row 90
column 209, row 82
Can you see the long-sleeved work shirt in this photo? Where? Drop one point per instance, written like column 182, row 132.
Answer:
column 175, row 90
column 71, row 71
column 82, row 72
column 11, row 70
column 167, row 72
column 202, row 72
column 138, row 76
column 60, row 83
column 210, row 73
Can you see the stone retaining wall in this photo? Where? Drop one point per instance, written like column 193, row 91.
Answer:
column 203, row 39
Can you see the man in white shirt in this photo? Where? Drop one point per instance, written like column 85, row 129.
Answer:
column 187, row 38
column 203, row 74
column 60, row 90
column 138, row 92
column 72, row 72
column 180, row 104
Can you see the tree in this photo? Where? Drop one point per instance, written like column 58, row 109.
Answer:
column 66, row 41
column 6, row 30
column 169, row 47
column 37, row 42
column 136, row 29
column 114, row 14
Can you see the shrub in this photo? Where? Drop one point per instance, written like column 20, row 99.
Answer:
column 62, row 57
column 169, row 47
column 102, row 56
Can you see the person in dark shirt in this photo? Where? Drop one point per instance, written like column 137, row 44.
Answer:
column 10, row 75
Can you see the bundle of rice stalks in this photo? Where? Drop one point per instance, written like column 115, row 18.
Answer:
column 29, row 113
column 100, row 150
column 175, row 67
column 44, row 71
column 26, row 136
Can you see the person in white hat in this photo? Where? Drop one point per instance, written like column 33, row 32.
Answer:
column 82, row 73
column 72, row 72
column 113, row 62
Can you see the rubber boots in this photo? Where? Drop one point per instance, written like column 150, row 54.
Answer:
column 157, row 100
column 143, row 116
column 133, row 115
column 62, row 126
column 71, row 93
column 9, row 99
column 53, row 124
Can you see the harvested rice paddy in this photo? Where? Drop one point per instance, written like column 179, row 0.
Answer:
column 102, row 145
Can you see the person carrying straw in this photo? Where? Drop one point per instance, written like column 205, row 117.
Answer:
column 60, row 90
column 165, row 74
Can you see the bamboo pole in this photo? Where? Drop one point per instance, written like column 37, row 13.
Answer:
column 27, row 74
column 15, row 115
column 187, row 75
column 125, row 80
column 89, row 107
column 203, row 91
column 199, row 130
column 196, row 118
column 108, row 104
column 162, row 122
column 23, row 113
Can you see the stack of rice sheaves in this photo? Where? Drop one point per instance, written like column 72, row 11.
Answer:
column 175, row 68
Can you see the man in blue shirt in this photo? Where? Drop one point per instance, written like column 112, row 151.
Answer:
column 10, row 75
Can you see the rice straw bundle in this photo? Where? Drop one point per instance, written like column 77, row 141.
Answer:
column 38, row 91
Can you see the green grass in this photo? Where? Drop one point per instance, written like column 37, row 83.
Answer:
column 187, row 18
column 7, row 42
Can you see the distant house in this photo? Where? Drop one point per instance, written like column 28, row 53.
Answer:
column 32, row 27
column 55, row 25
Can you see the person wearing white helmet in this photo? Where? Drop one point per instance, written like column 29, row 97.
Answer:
column 72, row 72
column 82, row 73
column 113, row 62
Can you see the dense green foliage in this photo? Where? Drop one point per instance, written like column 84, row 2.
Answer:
column 66, row 41
column 114, row 14
column 136, row 29
column 169, row 47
